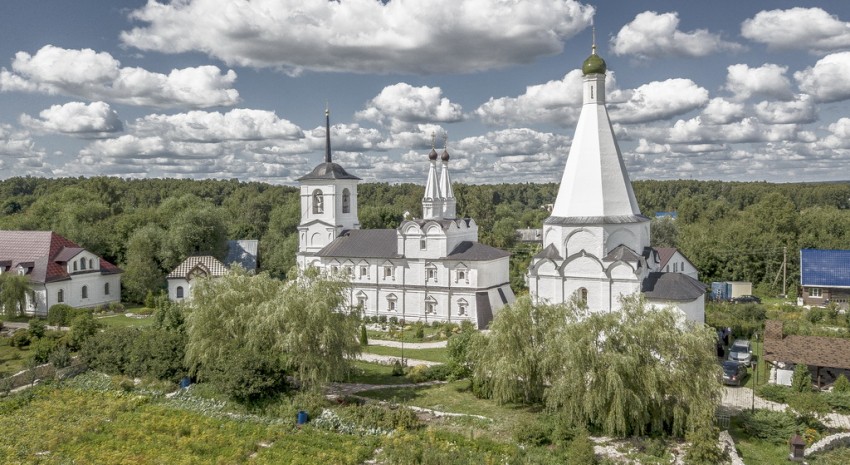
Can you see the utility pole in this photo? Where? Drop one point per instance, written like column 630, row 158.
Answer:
column 784, row 270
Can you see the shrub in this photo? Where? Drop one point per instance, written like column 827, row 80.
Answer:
column 109, row 351
column 580, row 450
column 838, row 401
column 703, row 449
column 20, row 339
column 60, row 357
column 83, row 326
column 841, row 384
column 422, row 373
column 380, row 417
column 398, row 368
column 419, row 332
column 150, row 299
column 801, row 380
column 157, row 353
column 382, row 319
column 772, row 426
column 115, row 307
column 57, row 315
column 364, row 338
column 37, row 328
column 533, row 432
column 774, row 392
column 41, row 350
column 393, row 320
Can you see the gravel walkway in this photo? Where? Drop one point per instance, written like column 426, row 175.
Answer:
column 390, row 359
column 408, row 345
column 736, row 399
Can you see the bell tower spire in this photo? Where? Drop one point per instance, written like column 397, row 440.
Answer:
column 432, row 201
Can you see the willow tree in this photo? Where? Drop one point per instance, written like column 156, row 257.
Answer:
column 510, row 362
column 637, row 371
column 14, row 293
column 640, row 370
column 245, row 333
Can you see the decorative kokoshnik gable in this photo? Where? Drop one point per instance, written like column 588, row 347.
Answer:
column 429, row 269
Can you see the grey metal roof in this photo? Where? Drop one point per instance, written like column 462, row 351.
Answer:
column 475, row 251
column 363, row 243
column 672, row 286
column 243, row 252
column 621, row 252
column 550, row 252
column 328, row 170
column 595, row 219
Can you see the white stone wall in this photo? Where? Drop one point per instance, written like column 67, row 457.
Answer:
column 173, row 284
column 48, row 294
column 693, row 310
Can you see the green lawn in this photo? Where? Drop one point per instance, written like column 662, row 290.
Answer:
column 121, row 320
column 12, row 359
column 432, row 355
column 457, row 397
column 756, row 451
column 409, row 334
column 758, row 355
column 374, row 373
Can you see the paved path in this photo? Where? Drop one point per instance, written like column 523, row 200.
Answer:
column 408, row 345
column 390, row 359
column 736, row 399
column 347, row 389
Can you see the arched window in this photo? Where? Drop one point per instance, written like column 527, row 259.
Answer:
column 85, row 292
column 60, row 296
column 346, row 201
column 582, row 296
column 105, row 288
column 179, row 292
column 83, row 264
column 318, row 202
column 462, row 306
column 391, row 300
column 75, row 266
column 91, row 264
column 430, row 306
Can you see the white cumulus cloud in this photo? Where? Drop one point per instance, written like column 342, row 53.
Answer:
column 557, row 102
column 722, row 111
column 19, row 155
column 654, row 35
column 201, row 126
column 768, row 80
column 659, row 100
column 98, row 76
column 402, row 105
column 827, row 80
column 798, row 28
column 800, row 110
column 361, row 35
column 96, row 119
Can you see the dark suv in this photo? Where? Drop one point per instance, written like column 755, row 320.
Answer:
column 746, row 299
column 734, row 373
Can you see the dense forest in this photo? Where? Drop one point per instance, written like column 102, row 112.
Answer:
column 729, row 230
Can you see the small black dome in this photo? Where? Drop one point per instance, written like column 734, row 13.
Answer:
column 445, row 155
column 433, row 155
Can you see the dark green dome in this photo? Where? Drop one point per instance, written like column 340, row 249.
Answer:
column 593, row 65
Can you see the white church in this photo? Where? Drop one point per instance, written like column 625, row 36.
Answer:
column 428, row 269
column 596, row 243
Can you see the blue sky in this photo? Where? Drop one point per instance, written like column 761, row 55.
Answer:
column 744, row 90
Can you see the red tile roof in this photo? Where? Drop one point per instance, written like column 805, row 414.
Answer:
column 46, row 250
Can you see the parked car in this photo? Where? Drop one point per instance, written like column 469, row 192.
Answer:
column 741, row 352
column 746, row 299
column 734, row 373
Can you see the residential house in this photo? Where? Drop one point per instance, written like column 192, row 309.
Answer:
column 60, row 271
column 826, row 357
column 182, row 279
column 825, row 277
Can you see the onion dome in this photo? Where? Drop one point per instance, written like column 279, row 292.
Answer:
column 445, row 155
column 594, row 64
column 433, row 155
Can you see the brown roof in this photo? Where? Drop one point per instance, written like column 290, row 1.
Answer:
column 208, row 264
column 46, row 251
column 828, row 352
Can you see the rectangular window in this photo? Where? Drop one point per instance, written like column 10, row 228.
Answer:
column 815, row 292
column 422, row 244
